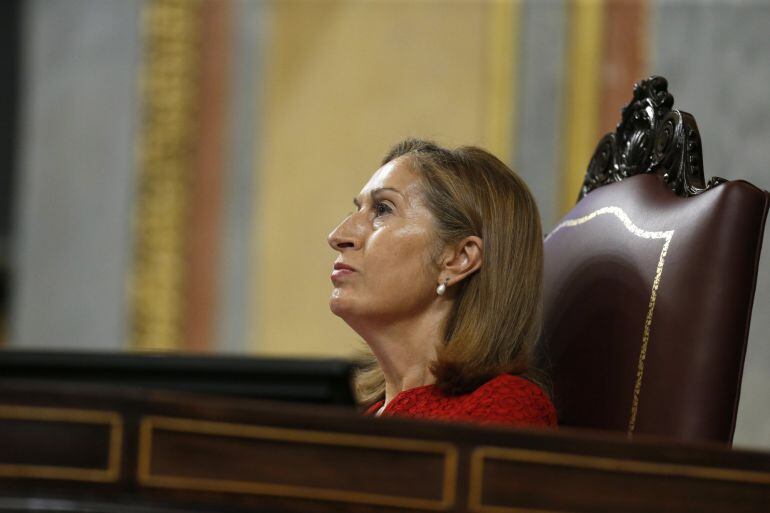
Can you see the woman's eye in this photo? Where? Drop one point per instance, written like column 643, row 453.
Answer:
column 381, row 209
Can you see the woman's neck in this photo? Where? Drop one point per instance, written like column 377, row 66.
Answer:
column 406, row 349
column 399, row 379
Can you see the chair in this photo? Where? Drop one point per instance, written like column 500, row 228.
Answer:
column 649, row 282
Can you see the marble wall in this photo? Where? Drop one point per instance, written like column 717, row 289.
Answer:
column 76, row 173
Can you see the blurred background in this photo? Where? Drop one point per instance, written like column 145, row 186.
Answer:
column 169, row 169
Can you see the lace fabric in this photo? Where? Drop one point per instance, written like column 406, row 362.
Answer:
column 505, row 399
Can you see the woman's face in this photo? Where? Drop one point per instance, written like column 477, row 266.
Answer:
column 385, row 269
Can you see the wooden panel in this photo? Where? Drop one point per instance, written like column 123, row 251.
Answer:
column 214, row 456
column 518, row 480
column 194, row 453
column 86, row 447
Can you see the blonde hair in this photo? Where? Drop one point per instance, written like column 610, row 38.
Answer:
column 496, row 318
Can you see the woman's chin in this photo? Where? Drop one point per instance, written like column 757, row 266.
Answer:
column 338, row 305
column 345, row 308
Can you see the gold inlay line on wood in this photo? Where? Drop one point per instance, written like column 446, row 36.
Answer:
column 631, row 227
column 110, row 419
column 597, row 463
column 146, row 477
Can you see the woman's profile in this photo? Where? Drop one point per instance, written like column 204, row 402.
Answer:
column 440, row 272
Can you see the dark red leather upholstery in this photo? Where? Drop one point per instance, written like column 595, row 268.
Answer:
column 600, row 267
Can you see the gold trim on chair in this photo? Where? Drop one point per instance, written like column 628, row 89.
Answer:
column 631, row 227
column 148, row 478
column 110, row 419
column 598, row 463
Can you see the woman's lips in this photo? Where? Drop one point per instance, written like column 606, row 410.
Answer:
column 338, row 274
column 341, row 271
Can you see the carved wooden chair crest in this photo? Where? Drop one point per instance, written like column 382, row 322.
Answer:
column 651, row 137
column 649, row 282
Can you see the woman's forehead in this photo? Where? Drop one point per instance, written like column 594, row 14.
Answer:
column 396, row 174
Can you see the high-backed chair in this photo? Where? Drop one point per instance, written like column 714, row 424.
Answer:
column 649, row 282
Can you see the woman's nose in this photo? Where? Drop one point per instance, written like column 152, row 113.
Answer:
column 344, row 236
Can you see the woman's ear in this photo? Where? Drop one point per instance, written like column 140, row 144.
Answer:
column 463, row 260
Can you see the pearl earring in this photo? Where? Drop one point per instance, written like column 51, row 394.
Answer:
column 442, row 287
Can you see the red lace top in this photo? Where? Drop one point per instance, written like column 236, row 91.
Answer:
column 506, row 399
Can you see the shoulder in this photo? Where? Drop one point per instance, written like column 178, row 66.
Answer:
column 505, row 399
column 512, row 399
column 508, row 384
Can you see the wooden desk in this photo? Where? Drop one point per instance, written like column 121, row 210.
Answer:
column 130, row 451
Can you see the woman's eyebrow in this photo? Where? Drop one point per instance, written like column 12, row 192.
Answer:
column 380, row 189
column 375, row 192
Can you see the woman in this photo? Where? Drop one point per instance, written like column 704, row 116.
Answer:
column 440, row 272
